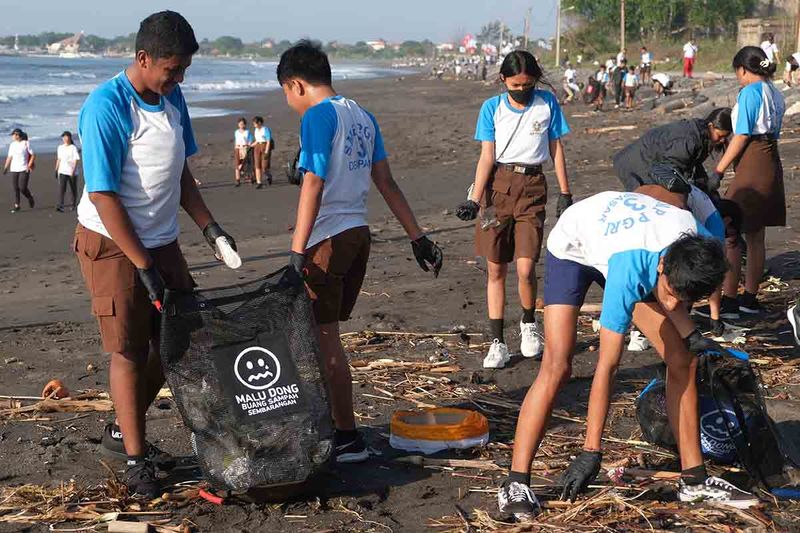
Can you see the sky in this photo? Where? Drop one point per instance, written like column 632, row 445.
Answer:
column 253, row 20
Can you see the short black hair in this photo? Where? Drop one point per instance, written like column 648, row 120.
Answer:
column 695, row 267
column 166, row 34
column 67, row 134
column 258, row 119
column 307, row 61
column 242, row 119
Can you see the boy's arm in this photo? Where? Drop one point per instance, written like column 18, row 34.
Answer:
column 115, row 219
column 560, row 162
column 31, row 161
column 610, row 353
column 395, row 199
column 307, row 210
column 7, row 164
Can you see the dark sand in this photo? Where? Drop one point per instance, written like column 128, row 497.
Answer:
column 46, row 330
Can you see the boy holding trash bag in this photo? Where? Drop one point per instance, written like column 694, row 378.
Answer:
column 341, row 153
column 137, row 136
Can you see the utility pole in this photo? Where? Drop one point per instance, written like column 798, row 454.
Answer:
column 558, row 33
column 621, row 25
column 797, row 22
column 527, row 26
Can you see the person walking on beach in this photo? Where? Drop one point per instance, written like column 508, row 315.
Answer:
column 342, row 153
column 21, row 162
column 689, row 56
column 262, row 151
column 770, row 48
column 757, row 187
column 646, row 67
column 519, row 131
column 571, row 83
column 631, row 83
column 137, row 135
column 242, row 139
column 67, row 157
column 600, row 84
column 651, row 258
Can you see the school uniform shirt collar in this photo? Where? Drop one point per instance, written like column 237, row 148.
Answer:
column 152, row 108
column 510, row 107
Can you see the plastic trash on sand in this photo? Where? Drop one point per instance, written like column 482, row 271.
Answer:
column 433, row 430
column 243, row 366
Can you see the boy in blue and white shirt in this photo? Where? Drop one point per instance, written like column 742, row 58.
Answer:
column 137, row 136
column 650, row 257
column 341, row 154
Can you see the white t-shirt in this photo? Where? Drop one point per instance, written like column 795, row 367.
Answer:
column 620, row 58
column 20, row 153
column 521, row 136
column 68, row 158
column 570, row 74
column 796, row 57
column 242, row 137
column 771, row 49
column 662, row 78
column 647, row 58
column 262, row 134
column 631, row 80
column 689, row 50
column 137, row 151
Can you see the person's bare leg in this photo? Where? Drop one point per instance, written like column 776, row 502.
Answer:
column 126, row 377
column 154, row 376
column 730, row 287
column 496, row 289
column 756, row 256
column 526, row 282
column 560, row 324
column 258, row 174
column 337, row 376
column 682, row 403
column 715, row 304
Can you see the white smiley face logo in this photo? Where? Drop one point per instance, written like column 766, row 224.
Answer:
column 257, row 368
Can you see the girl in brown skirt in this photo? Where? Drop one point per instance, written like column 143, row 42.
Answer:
column 519, row 131
column 758, row 184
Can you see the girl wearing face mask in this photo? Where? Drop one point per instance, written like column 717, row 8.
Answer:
column 519, row 131
column 758, row 185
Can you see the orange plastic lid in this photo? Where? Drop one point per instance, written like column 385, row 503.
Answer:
column 439, row 424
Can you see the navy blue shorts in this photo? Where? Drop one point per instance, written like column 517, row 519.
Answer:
column 567, row 282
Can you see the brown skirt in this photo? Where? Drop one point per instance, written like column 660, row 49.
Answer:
column 758, row 186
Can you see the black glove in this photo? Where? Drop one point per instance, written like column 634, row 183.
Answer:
column 295, row 270
column 582, row 471
column 714, row 181
column 564, row 201
column 468, row 210
column 427, row 252
column 211, row 232
column 697, row 344
column 153, row 284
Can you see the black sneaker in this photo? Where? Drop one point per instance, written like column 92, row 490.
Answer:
column 794, row 319
column 31, row 202
column 717, row 328
column 716, row 490
column 352, row 451
column 140, row 478
column 702, row 310
column 111, row 446
column 748, row 303
column 729, row 308
column 518, row 500
column 60, row 209
column 260, row 186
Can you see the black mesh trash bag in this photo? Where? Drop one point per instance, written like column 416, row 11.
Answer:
column 243, row 366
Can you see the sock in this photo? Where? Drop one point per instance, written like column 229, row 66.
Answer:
column 496, row 328
column 694, row 476
column 343, row 436
column 133, row 460
column 528, row 316
column 520, row 477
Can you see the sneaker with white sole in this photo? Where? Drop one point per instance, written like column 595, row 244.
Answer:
column 518, row 500
column 638, row 342
column 794, row 319
column 716, row 490
column 498, row 355
column 531, row 344
column 352, row 451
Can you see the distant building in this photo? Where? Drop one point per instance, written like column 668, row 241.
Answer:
column 377, row 46
column 268, row 43
column 445, row 47
column 70, row 45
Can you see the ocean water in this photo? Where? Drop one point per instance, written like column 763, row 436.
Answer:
column 43, row 95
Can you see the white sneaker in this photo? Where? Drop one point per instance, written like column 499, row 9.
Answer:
column 498, row 355
column 794, row 319
column 531, row 344
column 717, row 490
column 517, row 500
column 638, row 342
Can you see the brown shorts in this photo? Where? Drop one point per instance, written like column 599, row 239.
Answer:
column 335, row 270
column 258, row 154
column 127, row 319
column 519, row 201
column 239, row 153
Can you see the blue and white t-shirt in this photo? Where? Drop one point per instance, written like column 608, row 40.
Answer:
column 136, row 150
column 759, row 110
column 262, row 134
column 242, row 137
column 622, row 235
column 539, row 123
column 706, row 213
column 339, row 142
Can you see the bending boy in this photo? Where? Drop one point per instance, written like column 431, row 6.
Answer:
column 650, row 257
column 341, row 154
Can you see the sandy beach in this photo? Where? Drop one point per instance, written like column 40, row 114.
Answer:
column 46, row 330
